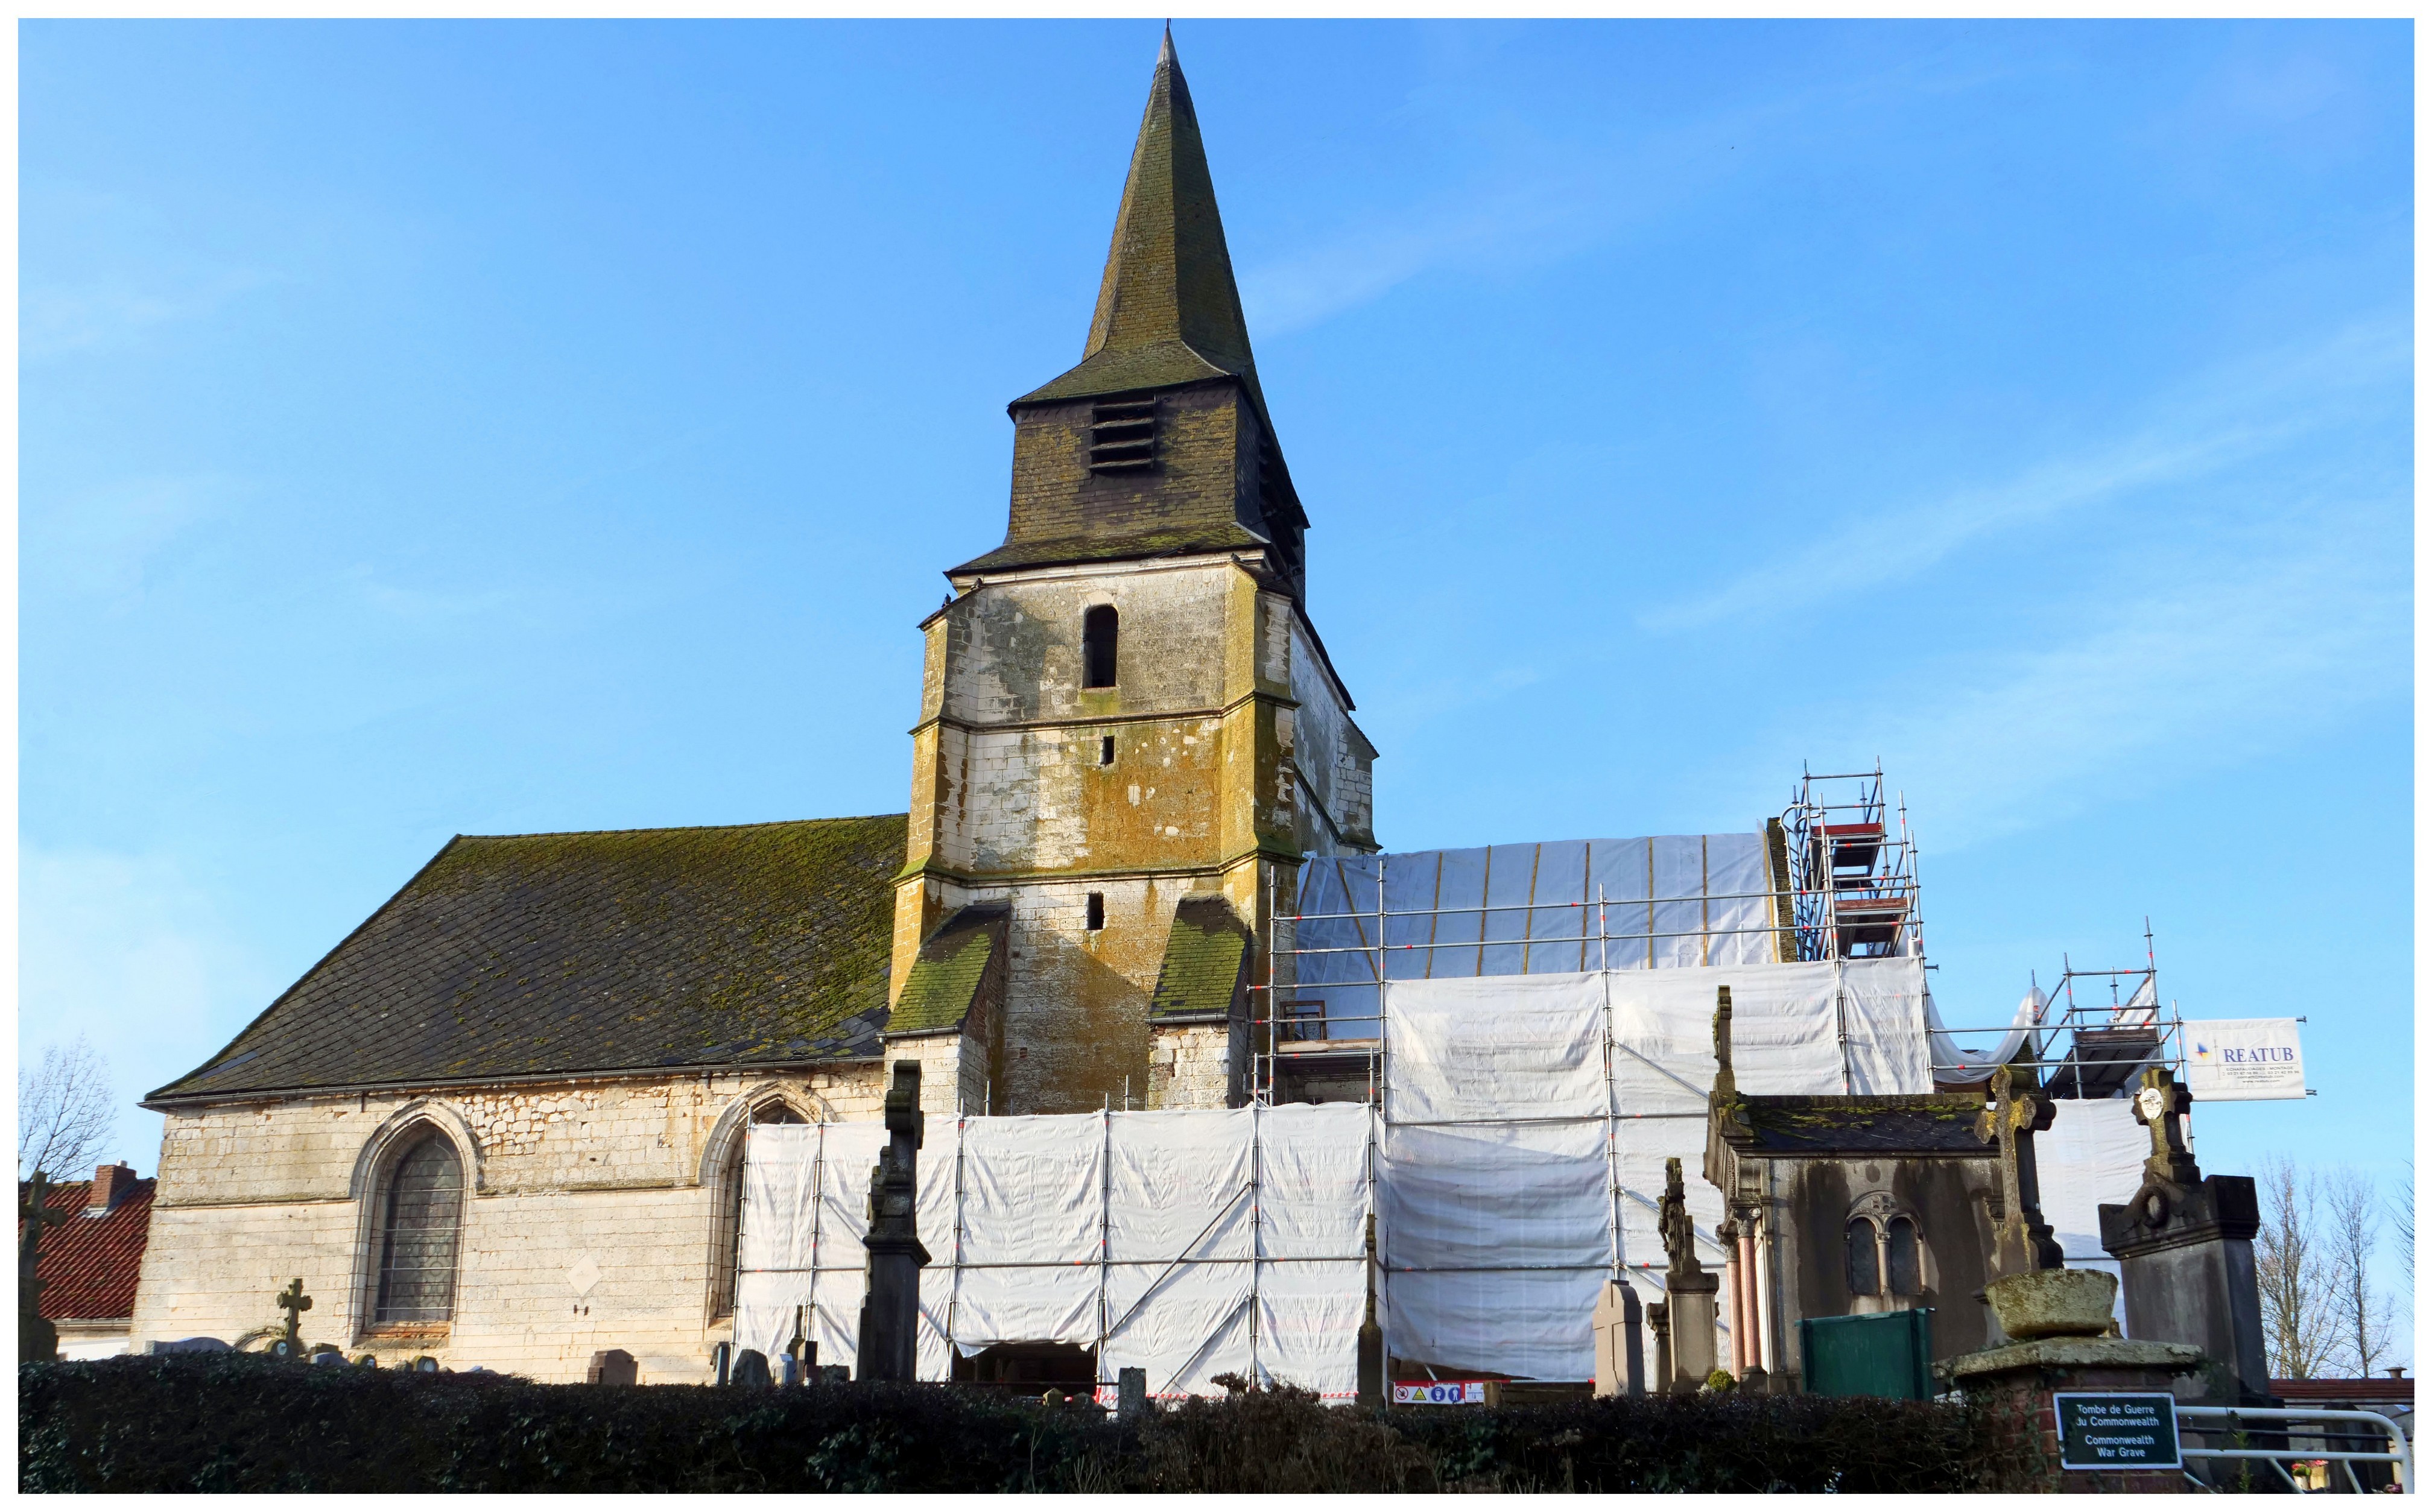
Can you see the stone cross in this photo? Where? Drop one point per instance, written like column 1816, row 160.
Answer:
column 2021, row 1241
column 37, row 1339
column 2170, row 1169
column 294, row 1301
column 890, row 1305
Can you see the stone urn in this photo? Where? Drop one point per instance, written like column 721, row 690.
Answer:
column 2054, row 1304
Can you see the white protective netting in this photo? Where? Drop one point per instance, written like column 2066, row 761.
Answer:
column 1527, row 1123
column 1514, row 1163
column 1190, row 1244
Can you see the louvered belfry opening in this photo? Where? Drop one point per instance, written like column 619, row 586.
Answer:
column 1122, row 436
column 425, row 1200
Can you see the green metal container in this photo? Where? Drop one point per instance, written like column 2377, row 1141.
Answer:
column 1879, row 1354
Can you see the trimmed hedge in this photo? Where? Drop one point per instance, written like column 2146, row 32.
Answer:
column 238, row 1423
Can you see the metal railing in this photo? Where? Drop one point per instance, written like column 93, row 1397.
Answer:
column 2290, row 1424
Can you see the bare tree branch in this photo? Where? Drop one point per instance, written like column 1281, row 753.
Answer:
column 2290, row 1270
column 64, row 1112
column 2355, row 1224
column 2401, row 1223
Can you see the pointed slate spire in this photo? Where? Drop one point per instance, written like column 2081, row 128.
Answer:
column 1167, row 309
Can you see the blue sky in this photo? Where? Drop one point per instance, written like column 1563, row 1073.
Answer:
column 498, row 428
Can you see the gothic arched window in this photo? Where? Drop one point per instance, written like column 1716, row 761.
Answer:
column 728, row 1230
column 1866, row 1270
column 1098, row 629
column 420, row 1220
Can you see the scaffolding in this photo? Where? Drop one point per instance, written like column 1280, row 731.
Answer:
column 1840, row 883
column 1319, row 1013
column 2108, row 1043
column 1854, row 868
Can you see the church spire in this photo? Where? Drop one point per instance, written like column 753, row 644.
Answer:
column 1167, row 310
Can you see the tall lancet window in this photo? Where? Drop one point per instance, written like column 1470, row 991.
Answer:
column 1098, row 647
column 426, row 1203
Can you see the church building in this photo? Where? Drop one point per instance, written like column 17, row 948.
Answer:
column 501, row 1122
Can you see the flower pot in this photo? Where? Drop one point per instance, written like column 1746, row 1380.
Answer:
column 2054, row 1304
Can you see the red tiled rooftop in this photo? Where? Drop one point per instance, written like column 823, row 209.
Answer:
column 2377, row 1388
column 89, row 1263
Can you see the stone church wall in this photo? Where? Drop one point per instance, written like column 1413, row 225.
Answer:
column 590, row 1225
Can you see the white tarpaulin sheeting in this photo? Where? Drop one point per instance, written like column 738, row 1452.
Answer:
column 2093, row 1153
column 1955, row 1062
column 1521, row 1163
column 1515, row 1163
column 1139, row 1235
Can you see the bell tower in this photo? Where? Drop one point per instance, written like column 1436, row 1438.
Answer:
column 1129, row 731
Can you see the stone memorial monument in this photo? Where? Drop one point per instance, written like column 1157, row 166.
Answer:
column 890, row 1304
column 1689, row 1290
column 1620, row 1366
column 2185, row 1246
column 1370, row 1378
column 36, row 1339
column 613, row 1368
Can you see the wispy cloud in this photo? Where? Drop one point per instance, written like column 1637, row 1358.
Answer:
column 114, row 314
column 2212, row 671
column 2240, row 413
column 101, row 543
column 1542, row 201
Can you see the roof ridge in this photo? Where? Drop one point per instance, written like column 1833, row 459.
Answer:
column 686, row 829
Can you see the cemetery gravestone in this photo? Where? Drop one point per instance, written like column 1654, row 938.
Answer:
column 890, row 1307
column 613, row 1368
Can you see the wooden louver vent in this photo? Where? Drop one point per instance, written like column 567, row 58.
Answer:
column 1122, row 436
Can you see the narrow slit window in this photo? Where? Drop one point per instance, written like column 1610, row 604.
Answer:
column 1866, row 1274
column 1903, row 1261
column 1097, row 914
column 418, row 1273
column 1105, row 750
column 1098, row 630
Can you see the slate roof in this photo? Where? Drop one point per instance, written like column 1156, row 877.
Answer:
column 1923, row 1123
column 1168, row 309
column 89, row 1264
column 1181, row 541
column 624, row 950
column 946, row 975
column 1204, row 953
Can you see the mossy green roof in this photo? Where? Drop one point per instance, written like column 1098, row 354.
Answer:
column 1916, row 1123
column 522, row 955
column 1181, row 541
column 946, row 975
column 1204, row 953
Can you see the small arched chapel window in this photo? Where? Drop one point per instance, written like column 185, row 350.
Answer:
column 1904, row 1259
column 1866, row 1274
column 418, row 1230
column 1098, row 631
